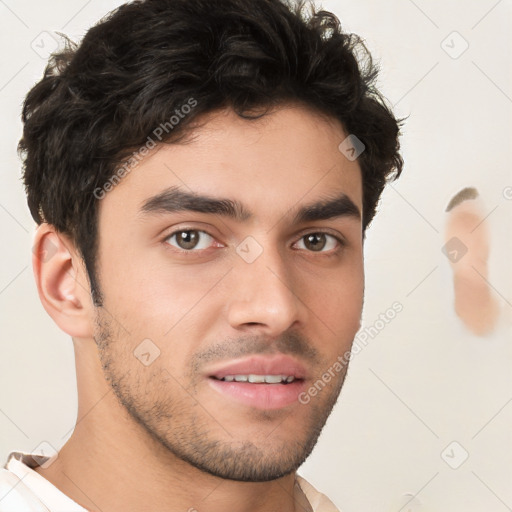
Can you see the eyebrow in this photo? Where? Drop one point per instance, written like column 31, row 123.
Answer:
column 175, row 199
column 461, row 196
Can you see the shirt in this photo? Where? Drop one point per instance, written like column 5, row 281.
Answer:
column 24, row 490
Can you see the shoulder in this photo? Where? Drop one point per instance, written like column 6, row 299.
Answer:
column 15, row 496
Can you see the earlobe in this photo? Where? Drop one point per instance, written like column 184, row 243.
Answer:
column 61, row 281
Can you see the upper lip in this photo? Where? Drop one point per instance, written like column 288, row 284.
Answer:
column 260, row 365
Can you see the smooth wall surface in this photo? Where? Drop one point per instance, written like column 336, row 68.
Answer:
column 425, row 416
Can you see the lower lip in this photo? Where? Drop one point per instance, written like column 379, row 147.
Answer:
column 260, row 396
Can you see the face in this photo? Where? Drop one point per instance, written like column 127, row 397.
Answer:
column 215, row 321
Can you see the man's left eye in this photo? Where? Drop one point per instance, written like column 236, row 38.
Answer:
column 316, row 242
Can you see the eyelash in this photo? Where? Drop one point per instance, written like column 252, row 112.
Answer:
column 331, row 252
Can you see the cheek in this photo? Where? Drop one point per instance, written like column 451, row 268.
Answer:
column 337, row 303
column 147, row 283
column 167, row 303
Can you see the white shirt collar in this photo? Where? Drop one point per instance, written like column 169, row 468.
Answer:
column 21, row 464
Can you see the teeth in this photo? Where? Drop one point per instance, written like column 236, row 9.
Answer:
column 259, row 379
column 273, row 379
column 256, row 378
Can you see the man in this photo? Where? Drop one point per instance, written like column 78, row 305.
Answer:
column 202, row 175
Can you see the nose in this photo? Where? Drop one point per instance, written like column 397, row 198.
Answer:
column 264, row 295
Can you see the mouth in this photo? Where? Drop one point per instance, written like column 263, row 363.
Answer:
column 258, row 379
column 261, row 383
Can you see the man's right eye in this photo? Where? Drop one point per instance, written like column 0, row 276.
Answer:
column 189, row 239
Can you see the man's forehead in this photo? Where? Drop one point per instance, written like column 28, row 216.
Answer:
column 225, row 172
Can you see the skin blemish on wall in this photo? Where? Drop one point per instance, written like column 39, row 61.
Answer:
column 468, row 246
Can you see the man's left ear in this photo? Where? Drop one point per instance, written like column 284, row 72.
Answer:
column 62, row 282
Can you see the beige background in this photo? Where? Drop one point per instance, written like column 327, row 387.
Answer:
column 422, row 381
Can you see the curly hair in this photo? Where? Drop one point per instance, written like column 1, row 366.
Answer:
column 99, row 100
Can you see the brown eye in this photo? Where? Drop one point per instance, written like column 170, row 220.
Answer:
column 317, row 242
column 188, row 239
